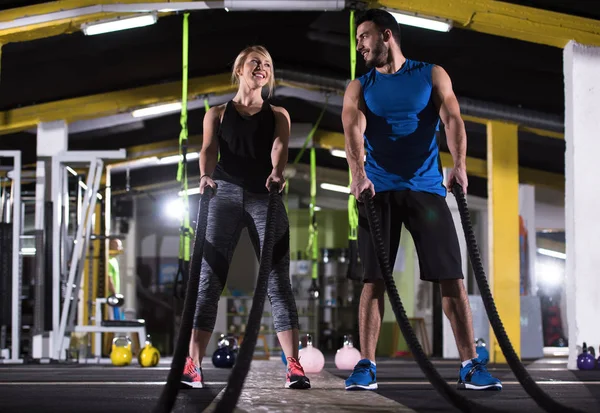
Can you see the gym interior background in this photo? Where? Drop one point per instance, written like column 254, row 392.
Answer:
column 94, row 122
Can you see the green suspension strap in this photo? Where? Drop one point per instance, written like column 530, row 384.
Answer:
column 352, row 209
column 308, row 139
column 185, row 230
column 352, row 46
column 312, row 249
column 313, row 231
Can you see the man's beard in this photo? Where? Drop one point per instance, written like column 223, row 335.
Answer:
column 379, row 56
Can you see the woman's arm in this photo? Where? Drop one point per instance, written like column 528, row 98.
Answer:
column 210, row 143
column 279, row 152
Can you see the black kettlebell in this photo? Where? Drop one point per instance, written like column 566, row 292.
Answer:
column 223, row 358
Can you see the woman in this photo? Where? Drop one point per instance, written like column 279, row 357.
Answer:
column 252, row 139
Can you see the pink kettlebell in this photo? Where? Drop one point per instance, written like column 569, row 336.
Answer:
column 347, row 357
column 311, row 358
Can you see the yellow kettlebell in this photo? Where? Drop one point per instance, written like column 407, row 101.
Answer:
column 149, row 356
column 121, row 351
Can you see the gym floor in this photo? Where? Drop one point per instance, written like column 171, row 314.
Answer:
column 93, row 388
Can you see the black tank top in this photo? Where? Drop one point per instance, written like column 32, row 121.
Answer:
column 245, row 144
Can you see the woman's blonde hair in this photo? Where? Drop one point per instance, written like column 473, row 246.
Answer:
column 241, row 59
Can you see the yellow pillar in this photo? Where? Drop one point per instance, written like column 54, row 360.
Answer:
column 503, row 208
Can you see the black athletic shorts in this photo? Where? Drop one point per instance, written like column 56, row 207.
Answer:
column 429, row 221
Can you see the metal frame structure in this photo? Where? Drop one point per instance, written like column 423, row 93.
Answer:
column 82, row 240
column 63, row 319
column 16, row 246
column 98, row 328
column 60, row 321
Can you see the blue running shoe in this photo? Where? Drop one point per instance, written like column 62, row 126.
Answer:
column 363, row 377
column 474, row 376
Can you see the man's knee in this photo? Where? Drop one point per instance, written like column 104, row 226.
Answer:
column 452, row 288
column 374, row 289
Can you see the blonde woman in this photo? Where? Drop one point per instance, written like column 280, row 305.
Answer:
column 251, row 136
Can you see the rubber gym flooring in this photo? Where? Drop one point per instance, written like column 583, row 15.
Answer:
column 92, row 388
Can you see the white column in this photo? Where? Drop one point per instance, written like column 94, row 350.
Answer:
column 582, row 199
column 527, row 212
column 52, row 140
column 129, row 275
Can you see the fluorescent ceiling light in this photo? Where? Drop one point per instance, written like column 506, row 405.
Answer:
column 339, row 153
column 28, row 251
column 156, row 110
column 191, row 191
column 176, row 158
column 125, row 23
column 342, row 154
column 551, row 253
column 335, row 188
column 423, row 22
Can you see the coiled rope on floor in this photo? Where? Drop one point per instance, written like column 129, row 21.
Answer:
column 240, row 370
column 171, row 388
column 528, row 383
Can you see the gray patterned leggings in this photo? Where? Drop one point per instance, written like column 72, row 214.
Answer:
column 230, row 210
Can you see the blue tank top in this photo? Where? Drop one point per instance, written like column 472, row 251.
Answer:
column 400, row 138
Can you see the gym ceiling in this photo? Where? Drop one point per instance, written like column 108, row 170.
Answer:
column 505, row 60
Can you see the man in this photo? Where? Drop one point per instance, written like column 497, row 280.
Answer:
column 393, row 111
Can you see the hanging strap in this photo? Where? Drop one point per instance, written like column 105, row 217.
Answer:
column 352, row 208
column 312, row 248
column 313, row 232
column 308, row 139
column 185, row 230
column 311, row 134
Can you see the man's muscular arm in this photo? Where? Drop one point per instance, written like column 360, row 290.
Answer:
column 456, row 135
column 355, row 124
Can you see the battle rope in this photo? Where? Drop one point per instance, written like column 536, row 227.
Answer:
column 431, row 373
column 450, row 394
column 530, row 386
column 242, row 365
column 169, row 393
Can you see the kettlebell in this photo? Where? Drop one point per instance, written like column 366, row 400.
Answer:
column 592, row 351
column 229, row 341
column 120, row 354
column 585, row 361
column 223, row 358
column 149, row 356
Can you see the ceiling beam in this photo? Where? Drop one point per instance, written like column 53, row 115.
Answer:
column 67, row 16
column 504, row 19
column 59, row 17
column 112, row 103
column 122, row 102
